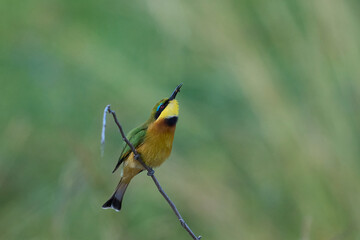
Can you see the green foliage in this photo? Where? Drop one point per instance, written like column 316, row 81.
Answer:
column 268, row 140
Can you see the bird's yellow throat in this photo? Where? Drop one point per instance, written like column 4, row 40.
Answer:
column 172, row 110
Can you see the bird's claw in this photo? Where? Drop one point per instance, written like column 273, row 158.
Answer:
column 150, row 172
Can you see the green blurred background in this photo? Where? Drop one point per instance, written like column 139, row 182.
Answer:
column 268, row 141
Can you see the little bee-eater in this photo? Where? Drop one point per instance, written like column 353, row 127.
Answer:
column 153, row 141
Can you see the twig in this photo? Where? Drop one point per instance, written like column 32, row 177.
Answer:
column 103, row 132
column 150, row 171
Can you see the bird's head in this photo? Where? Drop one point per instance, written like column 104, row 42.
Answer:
column 167, row 109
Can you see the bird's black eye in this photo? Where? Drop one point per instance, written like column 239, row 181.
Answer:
column 160, row 108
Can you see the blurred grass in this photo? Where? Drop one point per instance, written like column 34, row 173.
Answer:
column 268, row 142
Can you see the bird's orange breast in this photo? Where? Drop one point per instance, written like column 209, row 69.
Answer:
column 157, row 144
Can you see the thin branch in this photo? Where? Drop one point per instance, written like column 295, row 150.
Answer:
column 103, row 132
column 150, row 171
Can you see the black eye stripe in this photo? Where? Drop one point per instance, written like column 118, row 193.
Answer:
column 162, row 107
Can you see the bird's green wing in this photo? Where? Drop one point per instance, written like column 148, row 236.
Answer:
column 136, row 138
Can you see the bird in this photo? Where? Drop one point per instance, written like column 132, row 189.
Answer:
column 153, row 140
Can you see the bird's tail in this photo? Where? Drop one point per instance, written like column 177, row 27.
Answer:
column 116, row 199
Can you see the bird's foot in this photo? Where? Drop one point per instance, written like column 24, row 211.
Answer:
column 150, row 172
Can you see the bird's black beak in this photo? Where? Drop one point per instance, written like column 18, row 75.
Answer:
column 177, row 89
